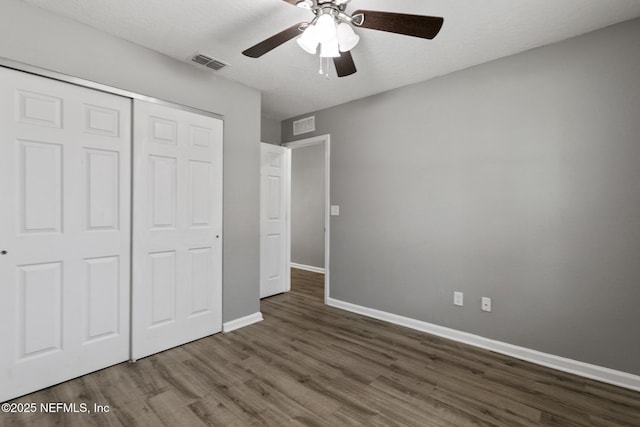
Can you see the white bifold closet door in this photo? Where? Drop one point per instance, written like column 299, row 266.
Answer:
column 177, row 238
column 64, row 231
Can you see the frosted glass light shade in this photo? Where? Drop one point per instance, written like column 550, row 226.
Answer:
column 326, row 28
column 347, row 39
column 309, row 40
column 329, row 49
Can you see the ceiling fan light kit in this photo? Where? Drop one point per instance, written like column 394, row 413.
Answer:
column 347, row 38
column 330, row 49
column 309, row 40
column 331, row 28
column 325, row 26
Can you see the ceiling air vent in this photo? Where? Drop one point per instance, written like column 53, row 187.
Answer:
column 208, row 61
column 308, row 124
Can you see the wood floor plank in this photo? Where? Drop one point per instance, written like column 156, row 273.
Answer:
column 171, row 410
column 308, row 364
column 294, row 385
column 281, row 403
column 212, row 412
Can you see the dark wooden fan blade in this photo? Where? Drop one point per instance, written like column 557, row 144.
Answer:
column 344, row 64
column 274, row 41
column 426, row 27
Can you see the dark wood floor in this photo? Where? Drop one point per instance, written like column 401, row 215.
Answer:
column 309, row 364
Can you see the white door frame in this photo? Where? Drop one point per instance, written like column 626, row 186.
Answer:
column 55, row 75
column 326, row 139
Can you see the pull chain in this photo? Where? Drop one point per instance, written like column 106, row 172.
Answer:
column 324, row 67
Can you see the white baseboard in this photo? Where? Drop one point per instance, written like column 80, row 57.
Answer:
column 242, row 322
column 307, row 267
column 599, row 373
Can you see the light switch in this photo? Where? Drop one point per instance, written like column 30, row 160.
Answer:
column 335, row 210
column 458, row 298
column 486, row 304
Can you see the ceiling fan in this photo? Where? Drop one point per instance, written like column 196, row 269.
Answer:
column 332, row 29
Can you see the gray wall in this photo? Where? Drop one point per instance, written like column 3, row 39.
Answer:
column 34, row 36
column 518, row 180
column 307, row 205
column 270, row 131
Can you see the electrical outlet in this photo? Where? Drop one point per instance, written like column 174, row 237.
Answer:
column 486, row 304
column 458, row 298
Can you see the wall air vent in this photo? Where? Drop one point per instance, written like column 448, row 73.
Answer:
column 201, row 59
column 208, row 61
column 216, row 65
column 306, row 125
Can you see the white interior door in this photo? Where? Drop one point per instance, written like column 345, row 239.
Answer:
column 177, row 239
column 64, row 231
column 275, row 207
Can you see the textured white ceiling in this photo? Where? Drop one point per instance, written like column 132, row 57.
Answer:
column 474, row 32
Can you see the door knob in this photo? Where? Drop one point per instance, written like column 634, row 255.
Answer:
column 3, row 252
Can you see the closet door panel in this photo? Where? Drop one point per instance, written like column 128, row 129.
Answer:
column 177, row 242
column 64, row 229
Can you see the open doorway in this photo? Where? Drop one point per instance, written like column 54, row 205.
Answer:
column 310, row 207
